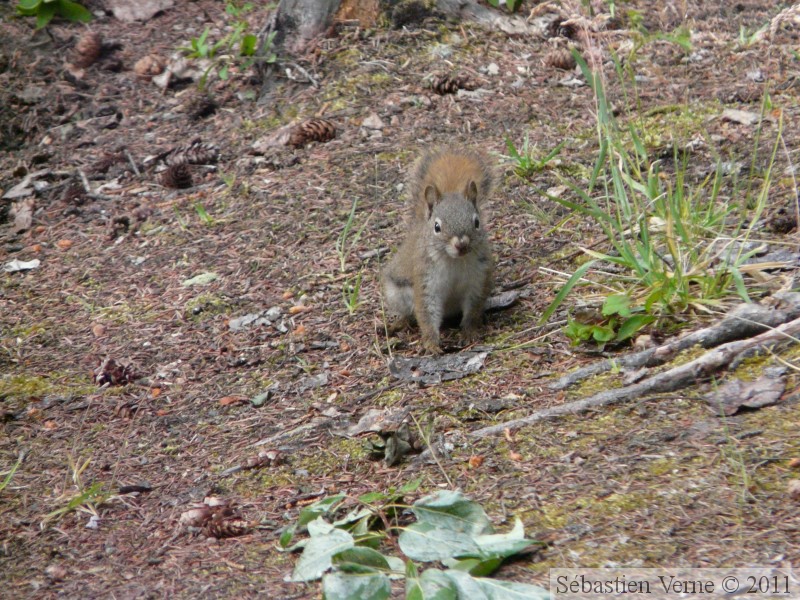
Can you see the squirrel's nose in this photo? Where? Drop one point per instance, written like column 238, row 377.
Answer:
column 461, row 244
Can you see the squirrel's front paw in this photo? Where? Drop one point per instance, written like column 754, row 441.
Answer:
column 470, row 335
column 432, row 346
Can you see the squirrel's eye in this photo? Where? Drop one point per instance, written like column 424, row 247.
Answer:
column 477, row 222
column 437, row 226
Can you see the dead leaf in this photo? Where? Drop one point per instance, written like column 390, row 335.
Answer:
column 22, row 212
column 475, row 461
column 50, row 425
column 228, row 400
column 377, row 420
column 736, row 394
column 64, row 244
column 794, row 463
column 515, row 456
column 744, row 117
column 297, row 309
column 155, row 392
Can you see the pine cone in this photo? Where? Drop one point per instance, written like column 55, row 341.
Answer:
column 87, row 50
column 199, row 106
column 219, row 527
column 558, row 29
column 313, row 130
column 451, row 84
column 560, row 58
column 149, row 66
column 105, row 162
column 177, row 176
column 781, row 221
column 194, row 153
column 74, row 194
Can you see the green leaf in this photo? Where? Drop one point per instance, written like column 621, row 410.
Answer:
column 326, row 541
column 372, row 497
column 504, row 545
column 410, row 487
column 72, row 11
column 308, row 514
column 576, row 331
column 475, row 566
column 632, row 325
column 479, row 588
column 451, row 510
column 617, row 304
column 562, row 293
column 248, row 45
column 426, row 542
column 351, row 586
column 362, row 557
column 602, row 333
column 433, row 584
column 28, row 5
column 45, row 15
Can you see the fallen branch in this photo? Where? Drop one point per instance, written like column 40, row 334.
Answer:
column 668, row 381
column 745, row 320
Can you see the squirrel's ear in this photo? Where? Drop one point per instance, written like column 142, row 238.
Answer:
column 471, row 192
column 432, row 196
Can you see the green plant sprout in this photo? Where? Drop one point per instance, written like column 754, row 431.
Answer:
column 237, row 48
column 45, row 10
column 204, row 216
column 344, row 244
column 351, row 293
column 524, row 160
column 87, row 499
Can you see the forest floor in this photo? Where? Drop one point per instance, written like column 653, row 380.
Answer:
column 119, row 368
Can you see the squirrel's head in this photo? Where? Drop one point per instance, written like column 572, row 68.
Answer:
column 454, row 219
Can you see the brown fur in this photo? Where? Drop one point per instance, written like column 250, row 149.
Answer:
column 439, row 274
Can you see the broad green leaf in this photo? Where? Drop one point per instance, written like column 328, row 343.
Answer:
column 433, row 584
column 451, row 510
column 325, row 542
column 308, row 514
column 617, row 304
column 410, row 486
column 602, row 334
column 427, row 542
column 362, row 557
column 248, row 45
column 372, row 497
column 353, row 516
column 28, row 4
column 631, row 326
column 351, row 586
column 475, row 566
column 44, row 15
column 504, row 545
column 72, row 11
column 481, row 588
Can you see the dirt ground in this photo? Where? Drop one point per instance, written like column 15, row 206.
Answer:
column 658, row 482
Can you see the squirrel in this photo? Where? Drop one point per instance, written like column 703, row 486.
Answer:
column 444, row 266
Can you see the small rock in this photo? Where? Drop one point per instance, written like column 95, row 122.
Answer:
column 373, row 121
